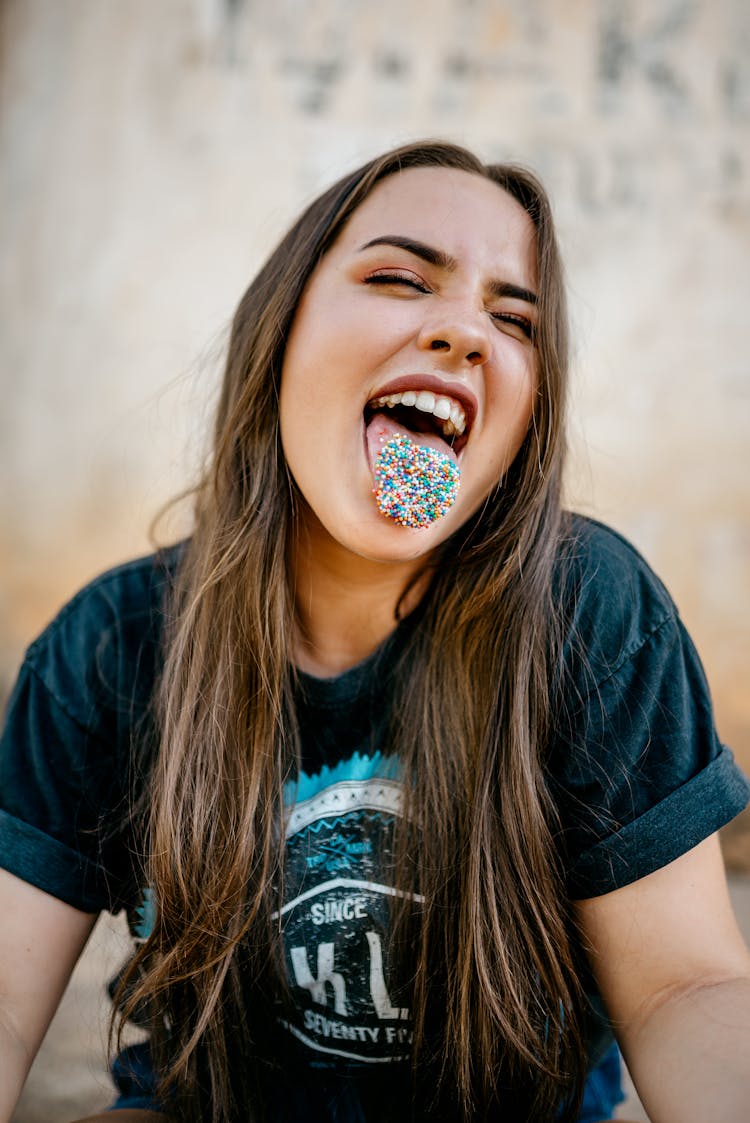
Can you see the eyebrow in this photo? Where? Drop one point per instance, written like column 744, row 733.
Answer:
column 444, row 261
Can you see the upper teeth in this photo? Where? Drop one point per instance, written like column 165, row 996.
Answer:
column 445, row 409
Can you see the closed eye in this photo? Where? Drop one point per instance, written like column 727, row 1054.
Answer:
column 408, row 279
column 513, row 320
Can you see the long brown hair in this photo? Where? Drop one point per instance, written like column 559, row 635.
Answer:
column 492, row 939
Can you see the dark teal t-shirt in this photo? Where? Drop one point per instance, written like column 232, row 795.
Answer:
column 635, row 768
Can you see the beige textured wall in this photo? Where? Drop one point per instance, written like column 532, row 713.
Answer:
column 153, row 152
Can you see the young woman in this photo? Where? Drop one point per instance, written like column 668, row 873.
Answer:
column 404, row 776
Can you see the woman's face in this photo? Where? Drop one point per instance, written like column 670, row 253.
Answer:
column 429, row 289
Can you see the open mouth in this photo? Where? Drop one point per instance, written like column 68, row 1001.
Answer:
column 423, row 413
column 415, row 429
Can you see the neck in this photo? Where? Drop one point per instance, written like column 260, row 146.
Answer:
column 346, row 605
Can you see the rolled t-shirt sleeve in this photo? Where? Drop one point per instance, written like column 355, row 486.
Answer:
column 638, row 772
column 49, row 821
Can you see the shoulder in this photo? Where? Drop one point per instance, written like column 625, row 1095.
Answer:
column 103, row 644
column 594, row 552
column 612, row 601
column 132, row 590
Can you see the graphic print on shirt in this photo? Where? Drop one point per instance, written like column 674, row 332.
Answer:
column 336, row 915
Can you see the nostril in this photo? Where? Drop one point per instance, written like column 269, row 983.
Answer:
column 474, row 357
column 440, row 345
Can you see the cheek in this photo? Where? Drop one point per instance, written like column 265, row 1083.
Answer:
column 509, row 416
column 512, row 394
column 296, row 406
column 306, row 370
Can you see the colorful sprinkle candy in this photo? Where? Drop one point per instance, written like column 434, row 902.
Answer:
column 414, row 485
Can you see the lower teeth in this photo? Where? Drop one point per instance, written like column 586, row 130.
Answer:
column 414, row 485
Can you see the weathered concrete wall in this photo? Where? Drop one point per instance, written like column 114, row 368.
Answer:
column 152, row 153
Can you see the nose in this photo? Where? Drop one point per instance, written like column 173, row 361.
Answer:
column 462, row 334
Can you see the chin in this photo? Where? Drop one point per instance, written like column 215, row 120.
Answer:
column 361, row 531
column 388, row 542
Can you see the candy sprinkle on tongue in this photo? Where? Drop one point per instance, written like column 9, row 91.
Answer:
column 414, row 485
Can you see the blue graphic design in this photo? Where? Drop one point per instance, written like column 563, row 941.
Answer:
column 336, row 916
column 357, row 767
column 142, row 924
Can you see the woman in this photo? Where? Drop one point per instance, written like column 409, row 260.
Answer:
column 415, row 766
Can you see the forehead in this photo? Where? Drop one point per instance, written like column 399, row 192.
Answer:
column 461, row 213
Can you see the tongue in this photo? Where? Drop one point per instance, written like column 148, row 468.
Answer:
column 383, row 426
column 414, row 482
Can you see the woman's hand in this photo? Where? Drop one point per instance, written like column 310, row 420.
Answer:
column 674, row 972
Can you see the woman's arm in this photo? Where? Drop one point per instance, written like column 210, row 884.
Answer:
column 674, row 972
column 40, row 940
